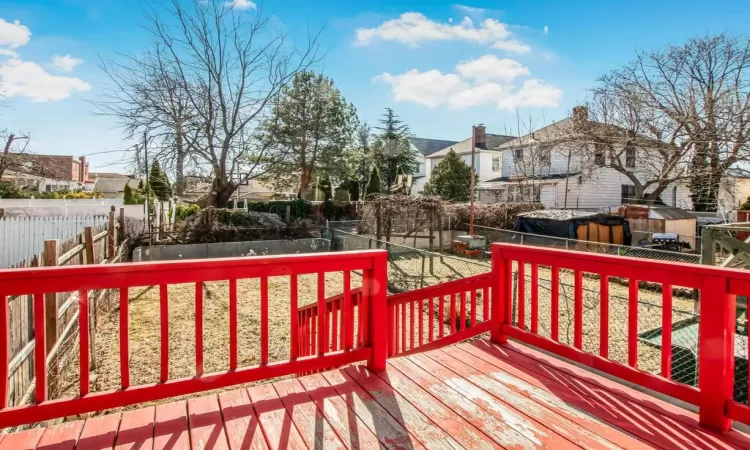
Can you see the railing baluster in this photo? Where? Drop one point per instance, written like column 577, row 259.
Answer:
column 40, row 346
column 633, row 323
column 521, row 322
column 264, row 320
column 578, row 310
column 555, row 303
column 403, row 327
column 365, row 308
column 412, row 331
column 666, row 331
column 198, row 328
column 314, row 333
column 335, row 325
column 462, row 325
column 441, row 316
column 233, row 325
column 4, row 362
column 83, row 348
column 486, row 304
column 124, row 338
column 508, row 294
column 293, row 315
column 347, row 318
column 392, row 332
column 453, row 313
column 164, row 327
column 535, row 298
column 421, row 322
column 473, row 307
column 431, row 319
column 604, row 316
column 322, row 335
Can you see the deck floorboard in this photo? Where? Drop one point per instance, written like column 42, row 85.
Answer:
column 471, row 395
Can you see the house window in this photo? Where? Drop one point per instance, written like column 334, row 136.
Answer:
column 544, row 156
column 627, row 193
column 524, row 194
column 518, row 153
column 599, row 155
column 629, row 156
column 496, row 163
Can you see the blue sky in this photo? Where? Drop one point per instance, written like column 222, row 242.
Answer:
column 440, row 71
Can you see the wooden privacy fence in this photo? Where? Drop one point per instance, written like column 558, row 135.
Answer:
column 95, row 245
column 84, row 280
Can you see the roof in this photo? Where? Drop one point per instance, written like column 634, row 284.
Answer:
column 464, row 147
column 429, row 146
column 665, row 212
column 552, row 176
column 114, row 183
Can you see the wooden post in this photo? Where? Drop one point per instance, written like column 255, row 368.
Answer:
column 378, row 305
column 81, row 253
column 288, row 214
column 121, row 233
column 50, row 298
column 111, row 235
column 498, row 296
column 88, row 236
column 716, row 354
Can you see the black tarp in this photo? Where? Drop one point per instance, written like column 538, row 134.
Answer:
column 566, row 228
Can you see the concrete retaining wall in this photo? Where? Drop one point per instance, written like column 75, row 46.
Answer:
column 230, row 249
column 361, row 242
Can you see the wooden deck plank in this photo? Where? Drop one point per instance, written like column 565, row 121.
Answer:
column 350, row 428
column 670, row 413
column 240, row 422
column 99, row 433
column 24, row 440
column 276, row 424
column 572, row 425
column 61, row 437
column 470, row 424
column 206, row 424
column 171, row 426
column 390, row 431
column 136, row 430
column 620, row 411
column 414, row 420
column 310, row 421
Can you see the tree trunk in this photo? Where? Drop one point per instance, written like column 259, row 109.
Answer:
column 305, row 179
column 179, row 185
column 219, row 196
column 4, row 162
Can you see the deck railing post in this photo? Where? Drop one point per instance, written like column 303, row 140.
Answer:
column 498, row 296
column 716, row 353
column 378, row 304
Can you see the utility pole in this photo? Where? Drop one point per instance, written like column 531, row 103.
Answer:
column 148, row 188
column 471, row 198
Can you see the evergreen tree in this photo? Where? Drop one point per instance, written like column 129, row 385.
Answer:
column 393, row 152
column 159, row 183
column 451, row 179
column 373, row 186
column 324, row 184
column 127, row 195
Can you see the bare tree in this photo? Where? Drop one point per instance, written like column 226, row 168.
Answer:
column 689, row 105
column 211, row 75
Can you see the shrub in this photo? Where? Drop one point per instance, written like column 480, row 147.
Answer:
column 185, row 211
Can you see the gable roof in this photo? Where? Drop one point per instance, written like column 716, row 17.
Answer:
column 464, row 147
column 429, row 146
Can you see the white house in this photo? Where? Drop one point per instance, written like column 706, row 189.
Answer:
column 424, row 148
column 487, row 159
column 559, row 177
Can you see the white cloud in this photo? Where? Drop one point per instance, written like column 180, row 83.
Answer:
column 491, row 68
column 413, row 28
column 14, row 34
column 30, row 80
column 65, row 63
column 240, row 4
column 8, row 52
column 430, row 88
column 487, row 80
column 546, row 30
column 470, row 9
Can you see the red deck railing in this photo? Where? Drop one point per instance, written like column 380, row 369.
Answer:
column 717, row 287
column 370, row 344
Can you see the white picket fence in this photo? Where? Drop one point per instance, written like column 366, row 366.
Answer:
column 23, row 237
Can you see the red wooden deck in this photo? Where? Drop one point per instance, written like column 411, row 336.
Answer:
column 473, row 395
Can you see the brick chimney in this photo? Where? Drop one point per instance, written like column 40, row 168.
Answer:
column 580, row 116
column 83, row 176
column 480, row 137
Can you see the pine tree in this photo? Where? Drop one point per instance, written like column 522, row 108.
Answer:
column 127, row 195
column 373, row 186
column 393, row 152
column 159, row 183
column 451, row 179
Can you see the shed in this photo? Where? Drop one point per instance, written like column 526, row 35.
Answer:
column 648, row 219
column 581, row 225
